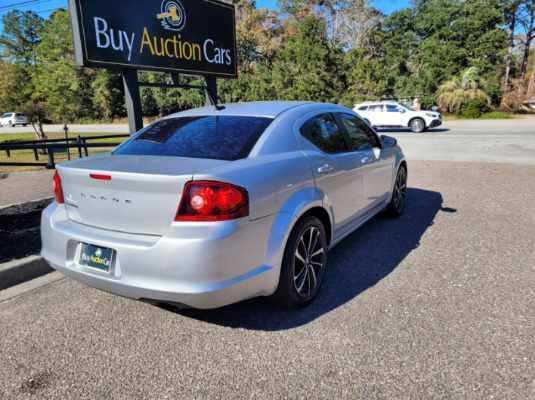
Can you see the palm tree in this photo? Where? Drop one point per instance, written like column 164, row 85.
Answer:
column 459, row 91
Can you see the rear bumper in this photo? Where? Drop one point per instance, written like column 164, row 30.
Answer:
column 208, row 265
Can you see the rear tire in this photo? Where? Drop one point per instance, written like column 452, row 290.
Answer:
column 397, row 204
column 417, row 125
column 303, row 266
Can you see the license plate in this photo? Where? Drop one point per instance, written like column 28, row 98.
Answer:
column 96, row 257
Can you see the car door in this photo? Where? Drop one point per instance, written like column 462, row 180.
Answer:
column 393, row 115
column 335, row 169
column 376, row 115
column 376, row 165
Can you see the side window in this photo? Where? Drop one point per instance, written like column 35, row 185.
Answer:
column 376, row 108
column 360, row 136
column 392, row 108
column 324, row 133
column 363, row 108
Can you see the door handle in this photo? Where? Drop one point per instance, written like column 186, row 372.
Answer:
column 325, row 169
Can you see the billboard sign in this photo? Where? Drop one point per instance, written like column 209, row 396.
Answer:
column 188, row 36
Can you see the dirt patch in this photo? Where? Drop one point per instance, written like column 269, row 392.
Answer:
column 36, row 382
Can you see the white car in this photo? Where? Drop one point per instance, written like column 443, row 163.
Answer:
column 12, row 119
column 390, row 114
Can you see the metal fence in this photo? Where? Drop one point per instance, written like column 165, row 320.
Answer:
column 49, row 147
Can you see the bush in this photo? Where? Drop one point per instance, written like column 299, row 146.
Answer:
column 474, row 108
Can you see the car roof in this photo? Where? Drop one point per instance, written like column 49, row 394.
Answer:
column 269, row 109
column 371, row 103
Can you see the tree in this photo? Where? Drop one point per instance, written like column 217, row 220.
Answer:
column 463, row 94
column 108, row 95
column 527, row 21
column 65, row 89
column 308, row 68
column 21, row 36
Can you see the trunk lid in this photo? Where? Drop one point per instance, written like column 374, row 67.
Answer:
column 142, row 196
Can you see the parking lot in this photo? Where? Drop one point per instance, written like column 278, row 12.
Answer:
column 437, row 304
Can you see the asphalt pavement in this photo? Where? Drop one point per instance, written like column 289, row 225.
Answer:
column 438, row 304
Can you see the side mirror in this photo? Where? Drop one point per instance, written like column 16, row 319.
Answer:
column 402, row 110
column 388, row 141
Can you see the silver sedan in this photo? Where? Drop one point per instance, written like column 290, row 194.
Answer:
column 210, row 206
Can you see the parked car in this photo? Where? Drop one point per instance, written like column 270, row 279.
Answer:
column 389, row 114
column 12, row 119
column 210, row 206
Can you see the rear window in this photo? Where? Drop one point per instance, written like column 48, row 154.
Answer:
column 213, row 137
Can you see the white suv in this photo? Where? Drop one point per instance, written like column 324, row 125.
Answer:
column 389, row 114
column 13, row 119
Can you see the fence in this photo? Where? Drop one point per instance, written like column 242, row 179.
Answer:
column 50, row 147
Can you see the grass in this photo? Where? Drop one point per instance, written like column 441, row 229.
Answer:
column 488, row 115
column 27, row 156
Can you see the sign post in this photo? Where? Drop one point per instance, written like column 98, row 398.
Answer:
column 195, row 37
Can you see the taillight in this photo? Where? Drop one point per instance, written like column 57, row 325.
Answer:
column 58, row 190
column 212, row 201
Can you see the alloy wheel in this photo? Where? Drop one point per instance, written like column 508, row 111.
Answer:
column 309, row 262
column 400, row 190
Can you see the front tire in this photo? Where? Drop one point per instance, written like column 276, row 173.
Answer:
column 397, row 204
column 303, row 266
column 417, row 125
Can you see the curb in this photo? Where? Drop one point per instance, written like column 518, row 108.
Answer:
column 15, row 272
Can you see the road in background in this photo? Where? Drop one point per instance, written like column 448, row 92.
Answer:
column 109, row 129
column 506, row 141
column 437, row 304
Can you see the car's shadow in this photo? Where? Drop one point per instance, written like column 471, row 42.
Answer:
column 356, row 264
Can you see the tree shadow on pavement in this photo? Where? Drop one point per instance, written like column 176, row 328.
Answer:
column 359, row 262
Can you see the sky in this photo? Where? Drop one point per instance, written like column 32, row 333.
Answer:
column 45, row 7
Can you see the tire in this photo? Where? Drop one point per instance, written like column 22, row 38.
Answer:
column 302, row 270
column 25, row 125
column 11, row 124
column 397, row 204
column 417, row 125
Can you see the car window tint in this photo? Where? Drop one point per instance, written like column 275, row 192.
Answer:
column 376, row 108
column 392, row 108
column 363, row 108
column 360, row 136
column 211, row 137
column 324, row 132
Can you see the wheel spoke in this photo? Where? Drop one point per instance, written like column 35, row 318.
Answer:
column 303, row 280
column 315, row 242
column 313, row 275
column 309, row 283
column 299, row 256
column 310, row 239
column 317, row 253
column 302, row 242
column 303, row 271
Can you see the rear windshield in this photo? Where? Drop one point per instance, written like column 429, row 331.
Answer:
column 213, row 137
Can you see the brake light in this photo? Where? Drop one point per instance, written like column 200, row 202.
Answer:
column 58, row 190
column 100, row 177
column 212, row 201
